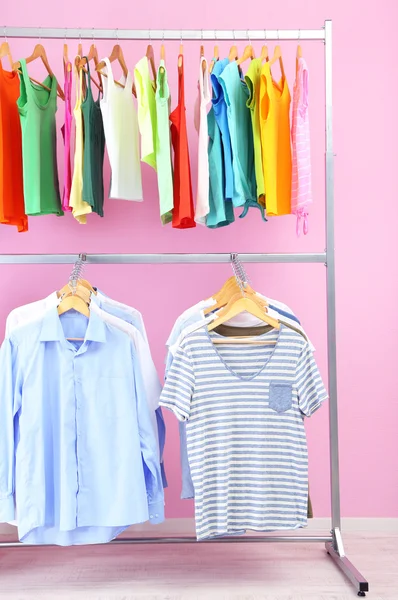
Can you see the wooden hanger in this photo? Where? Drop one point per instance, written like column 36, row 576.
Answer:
column 202, row 55
column 162, row 52
column 78, row 300
column 39, row 52
column 151, row 58
column 278, row 56
column 5, row 51
column 264, row 54
column 247, row 53
column 299, row 52
column 67, row 63
column 92, row 55
column 180, row 54
column 244, row 303
column 215, row 58
column 233, row 54
column 116, row 54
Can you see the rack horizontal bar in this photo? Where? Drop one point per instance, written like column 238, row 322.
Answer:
column 191, row 540
column 166, row 34
column 57, row 259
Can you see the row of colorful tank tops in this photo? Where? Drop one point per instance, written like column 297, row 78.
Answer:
column 252, row 153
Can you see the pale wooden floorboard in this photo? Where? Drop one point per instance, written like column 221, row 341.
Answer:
column 198, row 571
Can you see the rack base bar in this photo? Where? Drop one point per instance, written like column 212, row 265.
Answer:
column 57, row 259
column 167, row 34
column 193, row 540
column 355, row 577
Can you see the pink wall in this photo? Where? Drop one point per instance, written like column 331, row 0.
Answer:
column 365, row 126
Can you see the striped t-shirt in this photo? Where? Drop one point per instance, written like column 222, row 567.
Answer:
column 244, row 406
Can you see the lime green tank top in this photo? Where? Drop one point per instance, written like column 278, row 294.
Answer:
column 37, row 107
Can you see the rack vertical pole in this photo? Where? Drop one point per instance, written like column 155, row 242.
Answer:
column 331, row 283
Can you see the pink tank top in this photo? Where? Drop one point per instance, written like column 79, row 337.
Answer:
column 66, row 132
column 301, row 164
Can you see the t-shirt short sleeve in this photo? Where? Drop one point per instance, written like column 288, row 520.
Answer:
column 310, row 387
column 179, row 386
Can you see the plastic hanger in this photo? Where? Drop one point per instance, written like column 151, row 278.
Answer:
column 215, row 58
column 92, row 55
column 233, row 54
column 116, row 54
column 39, row 52
column 180, row 52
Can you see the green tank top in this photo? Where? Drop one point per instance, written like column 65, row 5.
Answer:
column 94, row 148
column 37, row 107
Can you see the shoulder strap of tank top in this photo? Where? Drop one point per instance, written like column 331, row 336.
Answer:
column 25, row 77
column 79, row 87
column 109, row 69
column 87, row 78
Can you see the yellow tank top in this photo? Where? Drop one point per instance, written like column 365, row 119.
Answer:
column 275, row 143
column 80, row 208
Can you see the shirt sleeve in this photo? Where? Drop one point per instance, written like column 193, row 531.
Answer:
column 149, row 451
column 178, row 389
column 10, row 403
column 310, row 388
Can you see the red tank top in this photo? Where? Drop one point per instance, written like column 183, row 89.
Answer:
column 12, row 206
column 183, row 212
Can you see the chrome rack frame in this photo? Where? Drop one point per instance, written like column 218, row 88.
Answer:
column 334, row 541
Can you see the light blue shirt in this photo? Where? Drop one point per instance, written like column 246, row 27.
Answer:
column 128, row 317
column 76, row 440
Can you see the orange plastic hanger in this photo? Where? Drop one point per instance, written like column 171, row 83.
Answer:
column 92, row 55
column 180, row 52
column 116, row 54
column 247, row 53
column 215, row 58
column 39, row 52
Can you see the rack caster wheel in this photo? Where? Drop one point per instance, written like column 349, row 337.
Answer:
column 361, row 594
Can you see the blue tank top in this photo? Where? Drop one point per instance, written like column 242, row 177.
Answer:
column 236, row 94
column 220, row 113
column 221, row 211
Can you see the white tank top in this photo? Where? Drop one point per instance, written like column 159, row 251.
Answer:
column 122, row 138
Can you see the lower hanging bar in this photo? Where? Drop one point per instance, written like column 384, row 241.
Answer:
column 193, row 540
column 57, row 259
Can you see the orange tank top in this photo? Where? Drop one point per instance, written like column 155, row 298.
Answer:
column 12, row 207
column 183, row 212
column 275, row 143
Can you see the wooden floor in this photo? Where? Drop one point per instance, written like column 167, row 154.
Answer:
column 198, row 571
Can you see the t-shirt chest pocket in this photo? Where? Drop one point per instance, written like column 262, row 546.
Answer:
column 280, row 396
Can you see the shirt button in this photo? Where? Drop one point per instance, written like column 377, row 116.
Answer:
column 151, row 516
column 156, row 515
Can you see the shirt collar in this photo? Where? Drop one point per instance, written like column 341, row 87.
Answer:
column 51, row 328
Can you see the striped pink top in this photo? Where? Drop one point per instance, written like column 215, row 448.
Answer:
column 301, row 165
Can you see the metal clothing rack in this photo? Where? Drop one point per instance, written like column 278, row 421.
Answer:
column 333, row 541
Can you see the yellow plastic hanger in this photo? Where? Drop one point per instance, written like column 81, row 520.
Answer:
column 233, row 54
column 278, row 57
column 264, row 54
column 247, row 53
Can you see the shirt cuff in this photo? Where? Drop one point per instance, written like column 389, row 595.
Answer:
column 156, row 512
column 7, row 510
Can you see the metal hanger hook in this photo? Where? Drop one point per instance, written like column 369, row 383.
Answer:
column 201, row 34
column 150, row 36
column 277, row 34
column 117, row 34
column 265, row 34
column 248, row 37
column 92, row 34
column 180, row 36
column 40, row 33
column 5, row 33
column 299, row 33
column 66, row 30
